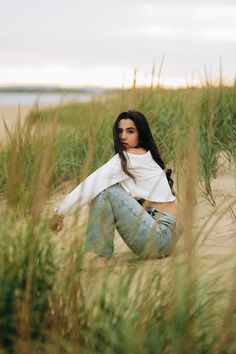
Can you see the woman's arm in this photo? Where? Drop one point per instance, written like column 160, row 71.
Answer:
column 104, row 177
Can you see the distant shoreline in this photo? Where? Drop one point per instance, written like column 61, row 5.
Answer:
column 15, row 98
column 50, row 89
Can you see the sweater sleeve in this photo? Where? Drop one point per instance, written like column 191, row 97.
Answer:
column 104, row 177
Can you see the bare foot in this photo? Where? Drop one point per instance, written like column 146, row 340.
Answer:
column 92, row 260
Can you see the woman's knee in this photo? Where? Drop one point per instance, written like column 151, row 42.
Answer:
column 98, row 200
column 106, row 196
column 109, row 193
column 115, row 188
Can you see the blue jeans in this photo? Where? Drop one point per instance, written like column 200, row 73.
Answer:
column 148, row 232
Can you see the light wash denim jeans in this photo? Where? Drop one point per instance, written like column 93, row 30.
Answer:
column 148, row 232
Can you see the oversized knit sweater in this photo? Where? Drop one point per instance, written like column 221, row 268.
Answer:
column 150, row 182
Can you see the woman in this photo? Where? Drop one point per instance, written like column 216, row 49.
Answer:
column 131, row 193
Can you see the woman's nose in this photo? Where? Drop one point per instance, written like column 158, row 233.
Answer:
column 123, row 135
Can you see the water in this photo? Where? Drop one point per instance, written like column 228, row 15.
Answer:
column 25, row 98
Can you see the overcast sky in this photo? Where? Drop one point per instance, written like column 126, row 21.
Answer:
column 101, row 42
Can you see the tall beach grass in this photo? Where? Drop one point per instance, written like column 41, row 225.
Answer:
column 180, row 304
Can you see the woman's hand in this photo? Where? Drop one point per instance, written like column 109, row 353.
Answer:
column 57, row 223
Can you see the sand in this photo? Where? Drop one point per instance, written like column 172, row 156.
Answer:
column 214, row 228
column 10, row 114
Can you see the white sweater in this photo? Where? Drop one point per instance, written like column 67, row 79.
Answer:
column 150, row 182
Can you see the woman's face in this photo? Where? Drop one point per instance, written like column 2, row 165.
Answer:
column 128, row 133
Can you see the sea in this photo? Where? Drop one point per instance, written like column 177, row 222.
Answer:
column 30, row 98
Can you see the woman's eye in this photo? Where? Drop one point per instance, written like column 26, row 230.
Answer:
column 130, row 131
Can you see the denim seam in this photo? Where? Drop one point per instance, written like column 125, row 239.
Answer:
column 133, row 211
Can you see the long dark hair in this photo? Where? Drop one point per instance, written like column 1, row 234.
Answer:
column 146, row 141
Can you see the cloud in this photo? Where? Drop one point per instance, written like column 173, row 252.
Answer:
column 118, row 34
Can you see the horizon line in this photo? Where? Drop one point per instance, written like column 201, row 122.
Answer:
column 213, row 83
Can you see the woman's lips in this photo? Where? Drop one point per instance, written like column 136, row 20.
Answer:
column 124, row 145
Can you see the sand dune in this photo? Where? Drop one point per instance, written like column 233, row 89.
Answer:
column 214, row 226
column 216, row 223
column 220, row 220
column 10, row 114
